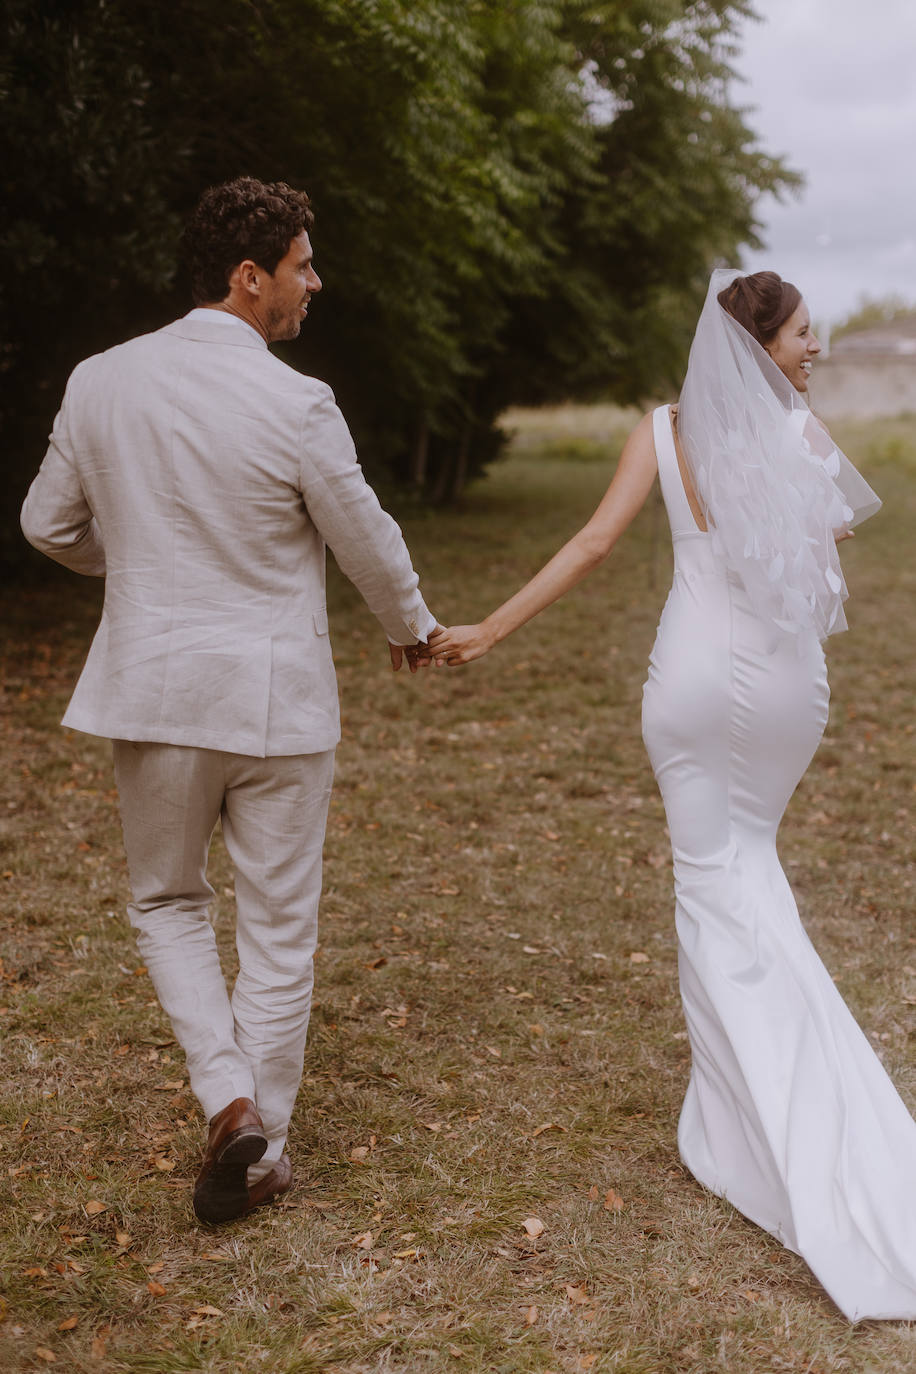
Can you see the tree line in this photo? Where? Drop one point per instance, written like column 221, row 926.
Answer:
column 517, row 201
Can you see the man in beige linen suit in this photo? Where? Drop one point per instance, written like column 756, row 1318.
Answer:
column 202, row 478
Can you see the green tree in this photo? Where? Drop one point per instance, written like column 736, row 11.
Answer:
column 872, row 312
column 517, row 200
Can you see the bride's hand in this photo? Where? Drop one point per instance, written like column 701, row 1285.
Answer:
column 459, row 644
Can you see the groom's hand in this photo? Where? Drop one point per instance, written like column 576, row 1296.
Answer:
column 416, row 656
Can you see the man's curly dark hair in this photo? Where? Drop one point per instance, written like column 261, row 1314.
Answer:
column 240, row 219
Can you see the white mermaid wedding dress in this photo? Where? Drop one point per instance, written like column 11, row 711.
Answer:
column 788, row 1113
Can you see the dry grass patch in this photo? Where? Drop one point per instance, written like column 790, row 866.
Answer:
column 487, row 1174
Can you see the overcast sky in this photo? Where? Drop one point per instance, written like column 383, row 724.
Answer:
column 832, row 89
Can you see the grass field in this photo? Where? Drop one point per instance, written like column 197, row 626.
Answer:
column 487, row 1173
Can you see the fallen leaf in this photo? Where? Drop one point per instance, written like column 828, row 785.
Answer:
column 359, row 1153
column 43, row 1353
column 575, row 1292
column 207, row 1311
column 534, row 1226
column 35, row 1272
column 406, row 1254
column 215, row 1255
column 380, row 962
column 274, row 1303
column 613, row 1202
column 491, row 1049
column 99, row 1345
column 531, row 949
column 157, row 1290
column 95, row 1208
column 124, row 1240
column 397, row 1019
column 536, row 1028
column 531, row 1315
column 156, row 1268
column 547, row 1126
column 586, row 1361
column 637, row 957
column 593, row 1193
column 365, row 1241
column 456, row 1351
column 432, row 1125
column 384, row 1318
column 68, row 1324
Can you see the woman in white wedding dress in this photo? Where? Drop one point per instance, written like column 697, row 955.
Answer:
column 788, row 1113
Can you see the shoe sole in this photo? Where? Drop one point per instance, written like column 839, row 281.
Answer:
column 223, row 1194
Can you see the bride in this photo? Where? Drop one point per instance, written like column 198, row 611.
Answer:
column 788, row 1112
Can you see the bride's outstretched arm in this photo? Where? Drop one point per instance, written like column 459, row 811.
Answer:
column 620, row 504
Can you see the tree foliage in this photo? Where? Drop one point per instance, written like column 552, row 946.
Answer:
column 517, row 200
column 871, row 312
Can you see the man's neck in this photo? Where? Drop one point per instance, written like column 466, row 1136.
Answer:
column 247, row 317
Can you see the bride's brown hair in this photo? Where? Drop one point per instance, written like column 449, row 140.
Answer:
column 761, row 303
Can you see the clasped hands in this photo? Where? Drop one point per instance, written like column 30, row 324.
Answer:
column 414, row 655
column 447, row 647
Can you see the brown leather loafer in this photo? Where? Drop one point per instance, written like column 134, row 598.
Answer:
column 236, row 1140
column 279, row 1180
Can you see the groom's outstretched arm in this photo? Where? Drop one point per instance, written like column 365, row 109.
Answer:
column 366, row 542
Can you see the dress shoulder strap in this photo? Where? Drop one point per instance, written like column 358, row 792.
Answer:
column 680, row 516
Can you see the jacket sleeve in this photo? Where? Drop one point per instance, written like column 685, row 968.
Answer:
column 365, row 540
column 56, row 517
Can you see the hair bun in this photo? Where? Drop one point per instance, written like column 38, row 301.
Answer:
column 761, row 303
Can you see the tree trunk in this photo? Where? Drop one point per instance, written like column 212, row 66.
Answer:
column 460, row 473
column 420, row 454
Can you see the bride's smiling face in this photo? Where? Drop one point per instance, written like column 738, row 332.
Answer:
column 794, row 347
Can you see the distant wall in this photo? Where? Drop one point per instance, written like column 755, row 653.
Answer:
column 863, row 388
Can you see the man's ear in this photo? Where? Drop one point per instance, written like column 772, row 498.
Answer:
column 248, row 277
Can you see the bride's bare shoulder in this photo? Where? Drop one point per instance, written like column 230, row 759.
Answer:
column 638, row 452
column 642, row 437
column 643, row 429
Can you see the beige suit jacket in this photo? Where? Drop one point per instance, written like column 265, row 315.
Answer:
column 202, row 478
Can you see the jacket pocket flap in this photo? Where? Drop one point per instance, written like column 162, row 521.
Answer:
column 320, row 619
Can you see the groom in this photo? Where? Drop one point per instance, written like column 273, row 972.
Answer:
column 202, row 478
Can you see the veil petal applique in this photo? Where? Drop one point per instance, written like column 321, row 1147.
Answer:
column 775, row 488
